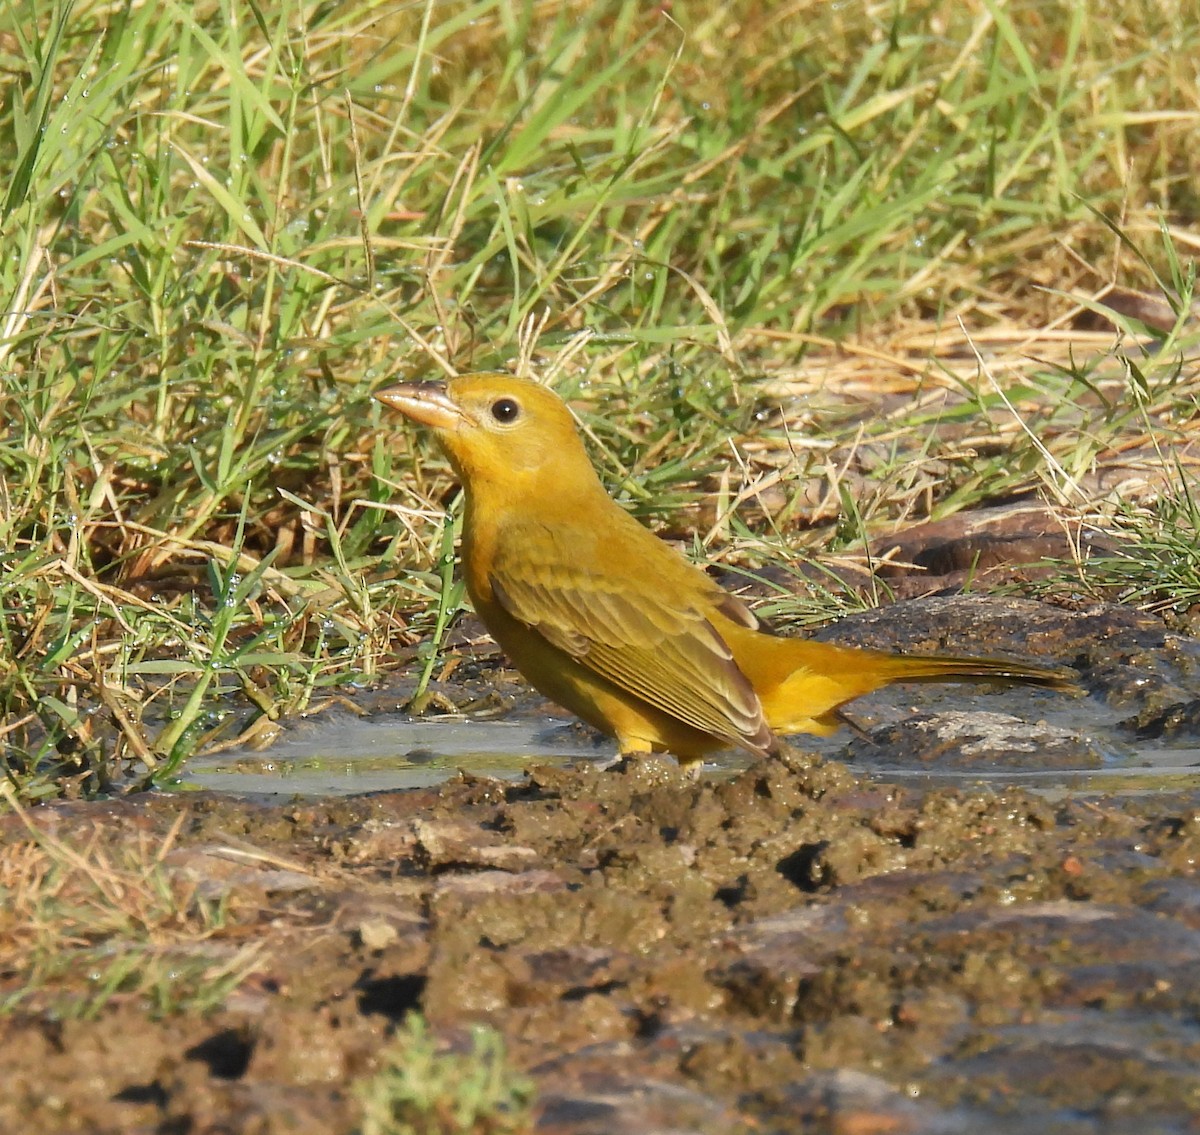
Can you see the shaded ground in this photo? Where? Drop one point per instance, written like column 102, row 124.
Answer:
column 792, row 948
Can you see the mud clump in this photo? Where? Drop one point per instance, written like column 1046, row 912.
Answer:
column 790, row 948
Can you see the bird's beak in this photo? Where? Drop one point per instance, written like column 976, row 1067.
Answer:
column 424, row 402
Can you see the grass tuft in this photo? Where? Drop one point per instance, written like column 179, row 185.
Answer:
column 84, row 925
column 423, row 1089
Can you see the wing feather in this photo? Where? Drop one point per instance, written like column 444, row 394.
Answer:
column 631, row 630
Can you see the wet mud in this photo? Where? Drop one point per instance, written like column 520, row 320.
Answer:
column 803, row 944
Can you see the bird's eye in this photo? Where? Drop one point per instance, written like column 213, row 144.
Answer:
column 505, row 410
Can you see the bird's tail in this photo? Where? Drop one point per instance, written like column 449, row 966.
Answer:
column 801, row 683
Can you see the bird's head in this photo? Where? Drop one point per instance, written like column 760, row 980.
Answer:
column 496, row 429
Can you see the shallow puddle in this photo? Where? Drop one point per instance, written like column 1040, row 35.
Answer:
column 344, row 755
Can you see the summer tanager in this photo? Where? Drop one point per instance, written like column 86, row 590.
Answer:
column 607, row 620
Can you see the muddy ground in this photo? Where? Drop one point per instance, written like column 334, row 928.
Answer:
column 795, row 947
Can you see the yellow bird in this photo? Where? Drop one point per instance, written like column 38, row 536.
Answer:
column 608, row 621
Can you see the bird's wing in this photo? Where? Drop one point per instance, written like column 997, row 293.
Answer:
column 631, row 630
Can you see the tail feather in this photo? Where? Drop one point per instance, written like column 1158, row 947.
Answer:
column 801, row 683
column 908, row 668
